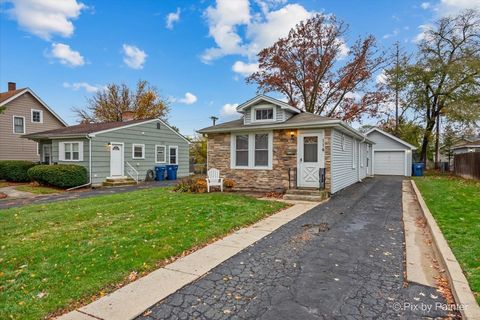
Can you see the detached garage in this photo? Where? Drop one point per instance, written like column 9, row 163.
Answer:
column 391, row 155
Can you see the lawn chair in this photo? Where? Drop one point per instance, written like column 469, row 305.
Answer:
column 214, row 179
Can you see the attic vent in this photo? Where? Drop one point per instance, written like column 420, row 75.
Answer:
column 158, row 125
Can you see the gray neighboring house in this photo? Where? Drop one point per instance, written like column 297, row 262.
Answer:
column 275, row 146
column 473, row 146
column 391, row 155
column 115, row 150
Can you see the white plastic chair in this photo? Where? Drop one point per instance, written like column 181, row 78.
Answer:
column 214, row 179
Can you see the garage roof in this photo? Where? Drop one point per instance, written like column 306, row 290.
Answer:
column 391, row 136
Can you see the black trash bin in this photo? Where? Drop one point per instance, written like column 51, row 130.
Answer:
column 160, row 173
column 172, row 171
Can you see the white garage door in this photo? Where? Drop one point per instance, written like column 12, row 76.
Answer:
column 389, row 162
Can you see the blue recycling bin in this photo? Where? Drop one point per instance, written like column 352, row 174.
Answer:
column 172, row 171
column 160, row 173
column 417, row 169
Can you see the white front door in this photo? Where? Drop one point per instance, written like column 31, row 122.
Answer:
column 116, row 159
column 310, row 159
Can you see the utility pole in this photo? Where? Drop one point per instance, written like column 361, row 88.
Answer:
column 397, row 70
column 214, row 119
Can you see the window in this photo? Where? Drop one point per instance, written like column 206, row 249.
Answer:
column 160, row 154
column 360, row 153
column 173, row 155
column 241, row 151
column 264, row 114
column 261, row 150
column 37, row 116
column 251, row 151
column 138, row 151
column 18, row 125
column 343, row 142
column 71, row 151
column 310, row 149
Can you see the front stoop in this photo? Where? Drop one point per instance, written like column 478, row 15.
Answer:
column 119, row 182
column 313, row 195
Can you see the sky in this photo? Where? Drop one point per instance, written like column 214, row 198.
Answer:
column 197, row 53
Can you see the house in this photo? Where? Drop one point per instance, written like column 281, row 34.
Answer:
column 391, row 155
column 275, row 146
column 472, row 146
column 24, row 113
column 447, row 152
column 115, row 150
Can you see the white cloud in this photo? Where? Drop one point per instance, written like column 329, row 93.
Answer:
column 134, row 57
column 245, row 69
column 172, row 17
column 390, row 35
column 66, row 55
column 45, row 18
column 425, row 5
column 229, row 110
column 260, row 30
column 381, row 78
column 447, row 7
column 424, row 28
column 189, row 98
column 82, row 85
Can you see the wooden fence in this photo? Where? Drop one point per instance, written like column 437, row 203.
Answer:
column 467, row 165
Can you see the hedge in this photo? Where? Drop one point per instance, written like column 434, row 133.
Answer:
column 15, row 170
column 60, row 175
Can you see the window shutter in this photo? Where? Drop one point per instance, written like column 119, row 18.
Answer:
column 61, row 151
column 80, row 151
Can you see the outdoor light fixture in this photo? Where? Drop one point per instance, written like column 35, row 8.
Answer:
column 292, row 135
column 109, row 145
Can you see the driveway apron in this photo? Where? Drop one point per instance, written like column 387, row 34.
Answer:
column 343, row 259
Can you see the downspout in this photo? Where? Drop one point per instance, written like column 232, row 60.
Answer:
column 89, row 165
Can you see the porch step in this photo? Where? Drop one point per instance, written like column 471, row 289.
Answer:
column 119, row 182
column 306, row 195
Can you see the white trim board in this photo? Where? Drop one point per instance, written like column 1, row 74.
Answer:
column 274, row 101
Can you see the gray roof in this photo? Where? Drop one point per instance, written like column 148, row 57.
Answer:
column 297, row 120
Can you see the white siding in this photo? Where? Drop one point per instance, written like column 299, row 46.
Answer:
column 343, row 173
column 384, row 143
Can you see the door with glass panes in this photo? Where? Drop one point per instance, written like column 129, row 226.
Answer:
column 310, row 159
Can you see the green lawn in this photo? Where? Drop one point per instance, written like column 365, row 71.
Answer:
column 37, row 189
column 455, row 204
column 55, row 254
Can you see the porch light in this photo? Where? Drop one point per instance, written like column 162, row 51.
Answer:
column 109, row 145
column 292, row 135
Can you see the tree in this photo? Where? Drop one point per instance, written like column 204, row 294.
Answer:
column 306, row 67
column 109, row 104
column 445, row 79
column 2, row 109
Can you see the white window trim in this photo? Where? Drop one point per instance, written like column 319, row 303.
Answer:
column 164, row 153
column 354, row 153
column 61, row 151
column 31, row 115
column 24, row 125
column 133, row 151
column 251, row 151
column 263, row 107
column 342, row 141
column 360, row 154
column 176, row 154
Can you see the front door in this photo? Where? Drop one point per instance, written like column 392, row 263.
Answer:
column 47, row 153
column 310, row 159
column 116, row 160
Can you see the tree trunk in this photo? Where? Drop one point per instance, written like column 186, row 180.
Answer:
column 426, row 139
column 437, row 143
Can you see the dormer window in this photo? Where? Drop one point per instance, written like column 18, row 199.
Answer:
column 264, row 114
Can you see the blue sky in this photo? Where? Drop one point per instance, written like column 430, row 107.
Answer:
column 195, row 52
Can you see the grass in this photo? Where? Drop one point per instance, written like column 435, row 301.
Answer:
column 455, row 204
column 54, row 255
column 37, row 189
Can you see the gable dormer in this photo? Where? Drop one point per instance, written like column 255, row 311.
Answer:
column 265, row 110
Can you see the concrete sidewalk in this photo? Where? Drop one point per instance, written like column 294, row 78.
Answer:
column 133, row 299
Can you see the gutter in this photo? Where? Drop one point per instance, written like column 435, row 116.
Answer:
column 89, row 165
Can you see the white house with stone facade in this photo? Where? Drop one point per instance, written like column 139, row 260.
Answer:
column 277, row 147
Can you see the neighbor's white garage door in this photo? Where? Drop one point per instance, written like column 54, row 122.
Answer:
column 389, row 162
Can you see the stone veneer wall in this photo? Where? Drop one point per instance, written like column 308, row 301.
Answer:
column 284, row 157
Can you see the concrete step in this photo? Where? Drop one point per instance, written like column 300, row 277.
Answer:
column 304, row 197
column 309, row 192
column 118, row 183
column 118, row 179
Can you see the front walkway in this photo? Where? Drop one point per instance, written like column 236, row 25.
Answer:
column 342, row 259
column 79, row 194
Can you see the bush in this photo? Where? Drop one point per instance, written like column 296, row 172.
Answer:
column 228, row 183
column 191, row 184
column 15, row 170
column 60, row 175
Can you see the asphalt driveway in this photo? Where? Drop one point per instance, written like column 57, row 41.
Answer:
column 342, row 259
